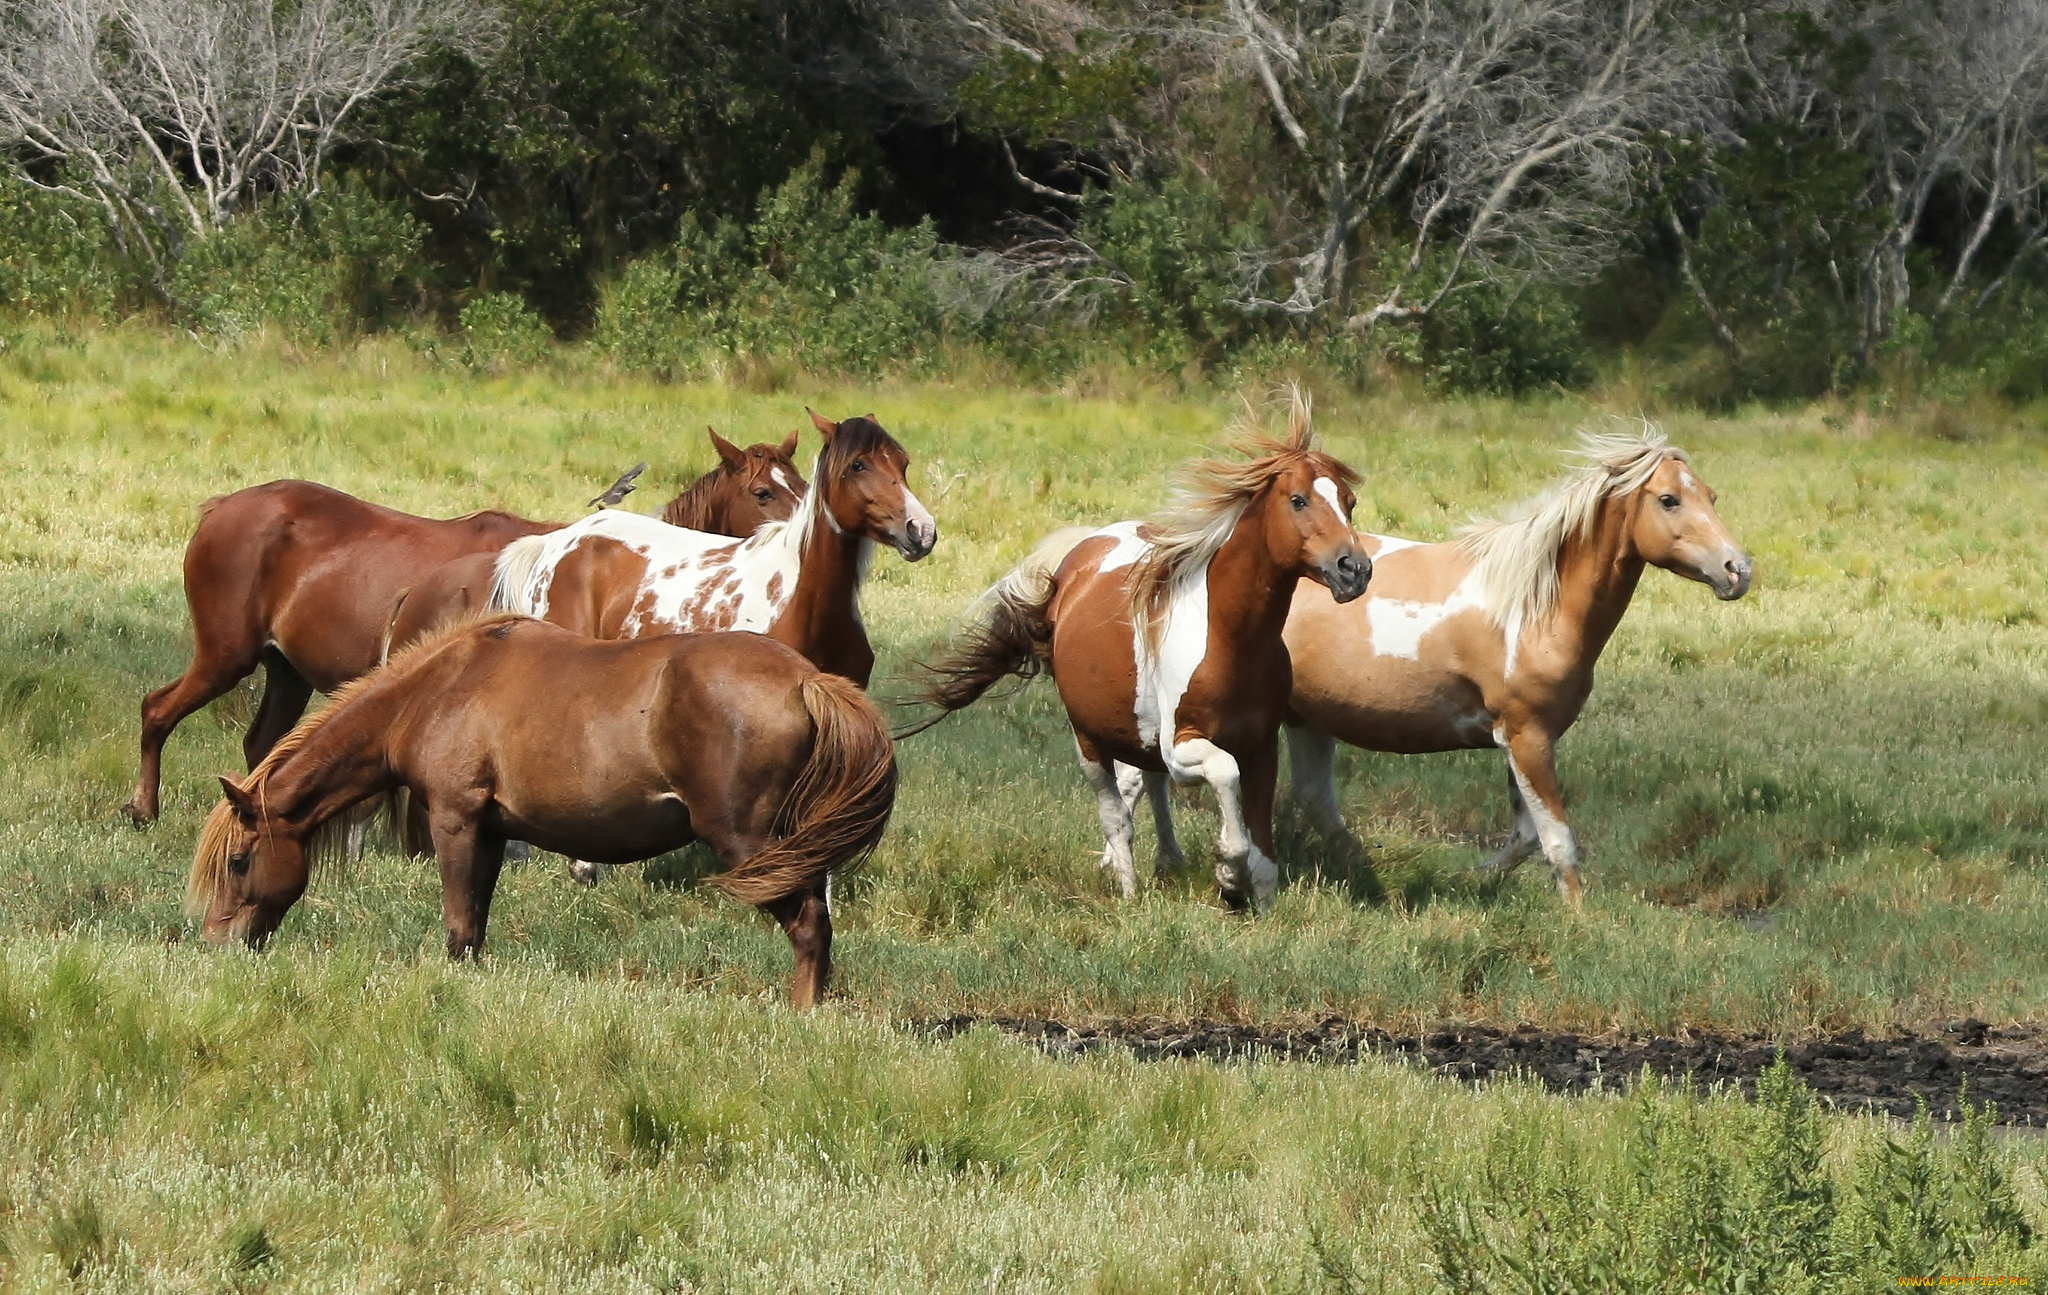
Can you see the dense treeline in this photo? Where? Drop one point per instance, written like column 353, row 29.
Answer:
column 1776, row 198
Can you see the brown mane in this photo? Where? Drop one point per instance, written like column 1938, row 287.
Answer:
column 693, row 509
column 1212, row 498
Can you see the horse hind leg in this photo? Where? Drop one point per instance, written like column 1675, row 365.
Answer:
column 806, row 918
column 1111, row 808
column 285, row 694
column 215, row 668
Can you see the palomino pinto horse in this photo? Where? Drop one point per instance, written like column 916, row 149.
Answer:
column 507, row 727
column 301, row 579
column 619, row 575
column 1164, row 640
column 1491, row 639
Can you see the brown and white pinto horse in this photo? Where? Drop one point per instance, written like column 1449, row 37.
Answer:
column 508, row 727
column 749, row 489
column 1164, row 640
column 1491, row 639
column 301, row 578
column 619, row 575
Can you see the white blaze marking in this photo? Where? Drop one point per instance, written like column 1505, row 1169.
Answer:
column 1687, row 480
column 1328, row 490
column 780, row 478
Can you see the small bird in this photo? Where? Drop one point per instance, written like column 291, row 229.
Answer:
column 620, row 488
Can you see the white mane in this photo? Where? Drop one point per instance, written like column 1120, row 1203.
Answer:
column 1517, row 556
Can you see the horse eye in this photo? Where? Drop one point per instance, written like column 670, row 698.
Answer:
column 764, row 495
column 1669, row 501
column 858, row 465
column 1299, row 501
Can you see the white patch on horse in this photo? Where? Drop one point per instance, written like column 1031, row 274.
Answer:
column 680, row 565
column 1183, row 642
column 1328, row 490
column 1560, row 847
column 777, row 475
column 1688, row 480
column 1398, row 626
column 1390, row 544
column 1129, row 548
column 1240, row 865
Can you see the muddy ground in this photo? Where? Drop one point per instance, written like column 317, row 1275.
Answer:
column 2005, row 1066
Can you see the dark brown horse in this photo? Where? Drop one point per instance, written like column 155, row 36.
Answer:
column 1164, row 640
column 509, row 727
column 301, row 579
column 621, row 575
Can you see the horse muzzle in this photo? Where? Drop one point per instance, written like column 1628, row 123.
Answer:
column 1731, row 579
column 919, row 536
column 1347, row 575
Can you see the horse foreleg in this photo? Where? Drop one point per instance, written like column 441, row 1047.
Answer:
column 470, row 860
column 214, row 670
column 1114, row 814
column 1312, row 776
column 806, row 918
column 1522, row 841
column 285, row 694
column 1532, row 762
column 1246, row 875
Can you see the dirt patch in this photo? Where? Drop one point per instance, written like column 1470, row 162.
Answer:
column 2007, row 1066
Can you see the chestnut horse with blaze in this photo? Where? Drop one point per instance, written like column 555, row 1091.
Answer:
column 1164, row 641
column 619, row 575
column 1490, row 640
column 511, row 728
column 301, row 578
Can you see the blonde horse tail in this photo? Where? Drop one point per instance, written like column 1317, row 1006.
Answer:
column 514, row 572
column 1008, row 635
column 836, row 813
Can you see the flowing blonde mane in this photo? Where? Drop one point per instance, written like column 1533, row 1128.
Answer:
column 327, row 840
column 1212, row 497
column 1517, row 556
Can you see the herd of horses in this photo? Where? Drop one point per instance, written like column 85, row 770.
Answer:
column 620, row 686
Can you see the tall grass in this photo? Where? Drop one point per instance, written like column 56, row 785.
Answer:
column 1818, row 807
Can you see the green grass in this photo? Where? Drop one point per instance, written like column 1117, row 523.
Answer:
column 1852, row 753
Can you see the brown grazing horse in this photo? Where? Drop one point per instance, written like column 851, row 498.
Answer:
column 1491, row 639
column 301, row 578
column 620, row 575
column 507, row 727
column 1164, row 640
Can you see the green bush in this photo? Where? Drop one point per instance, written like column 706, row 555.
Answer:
column 809, row 280
column 500, row 330
column 339, row 262
column 58, row 256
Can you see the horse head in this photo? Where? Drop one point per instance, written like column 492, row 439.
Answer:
column 1305, row 511
column 1677, row 528
column 749, row 487
column 861, row 479
column 249, row 868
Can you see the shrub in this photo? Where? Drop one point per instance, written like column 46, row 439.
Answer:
column 58, row 256
column 338, row 262
column 499, row 330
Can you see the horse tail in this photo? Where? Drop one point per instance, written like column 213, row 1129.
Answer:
column 836, row 812
column 1008, row 637
column 209, row 860
column 514, row 572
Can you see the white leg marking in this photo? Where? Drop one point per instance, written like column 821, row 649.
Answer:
column 1312, row 763
column 587, row 872
column 1167, row 859
column 1522, row 842
column 1116, row 825
column 1243, row 869
column 1559, row 845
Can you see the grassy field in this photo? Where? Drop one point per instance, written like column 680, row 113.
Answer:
column 1813, row 809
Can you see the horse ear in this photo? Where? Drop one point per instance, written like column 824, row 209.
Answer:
column 824, row 425
column 239, row 797
column 789, row 445
column 733, row 455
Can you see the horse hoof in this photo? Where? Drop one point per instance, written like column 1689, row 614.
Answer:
column 1236, row 900
column 136, row 815
column 518, row 852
